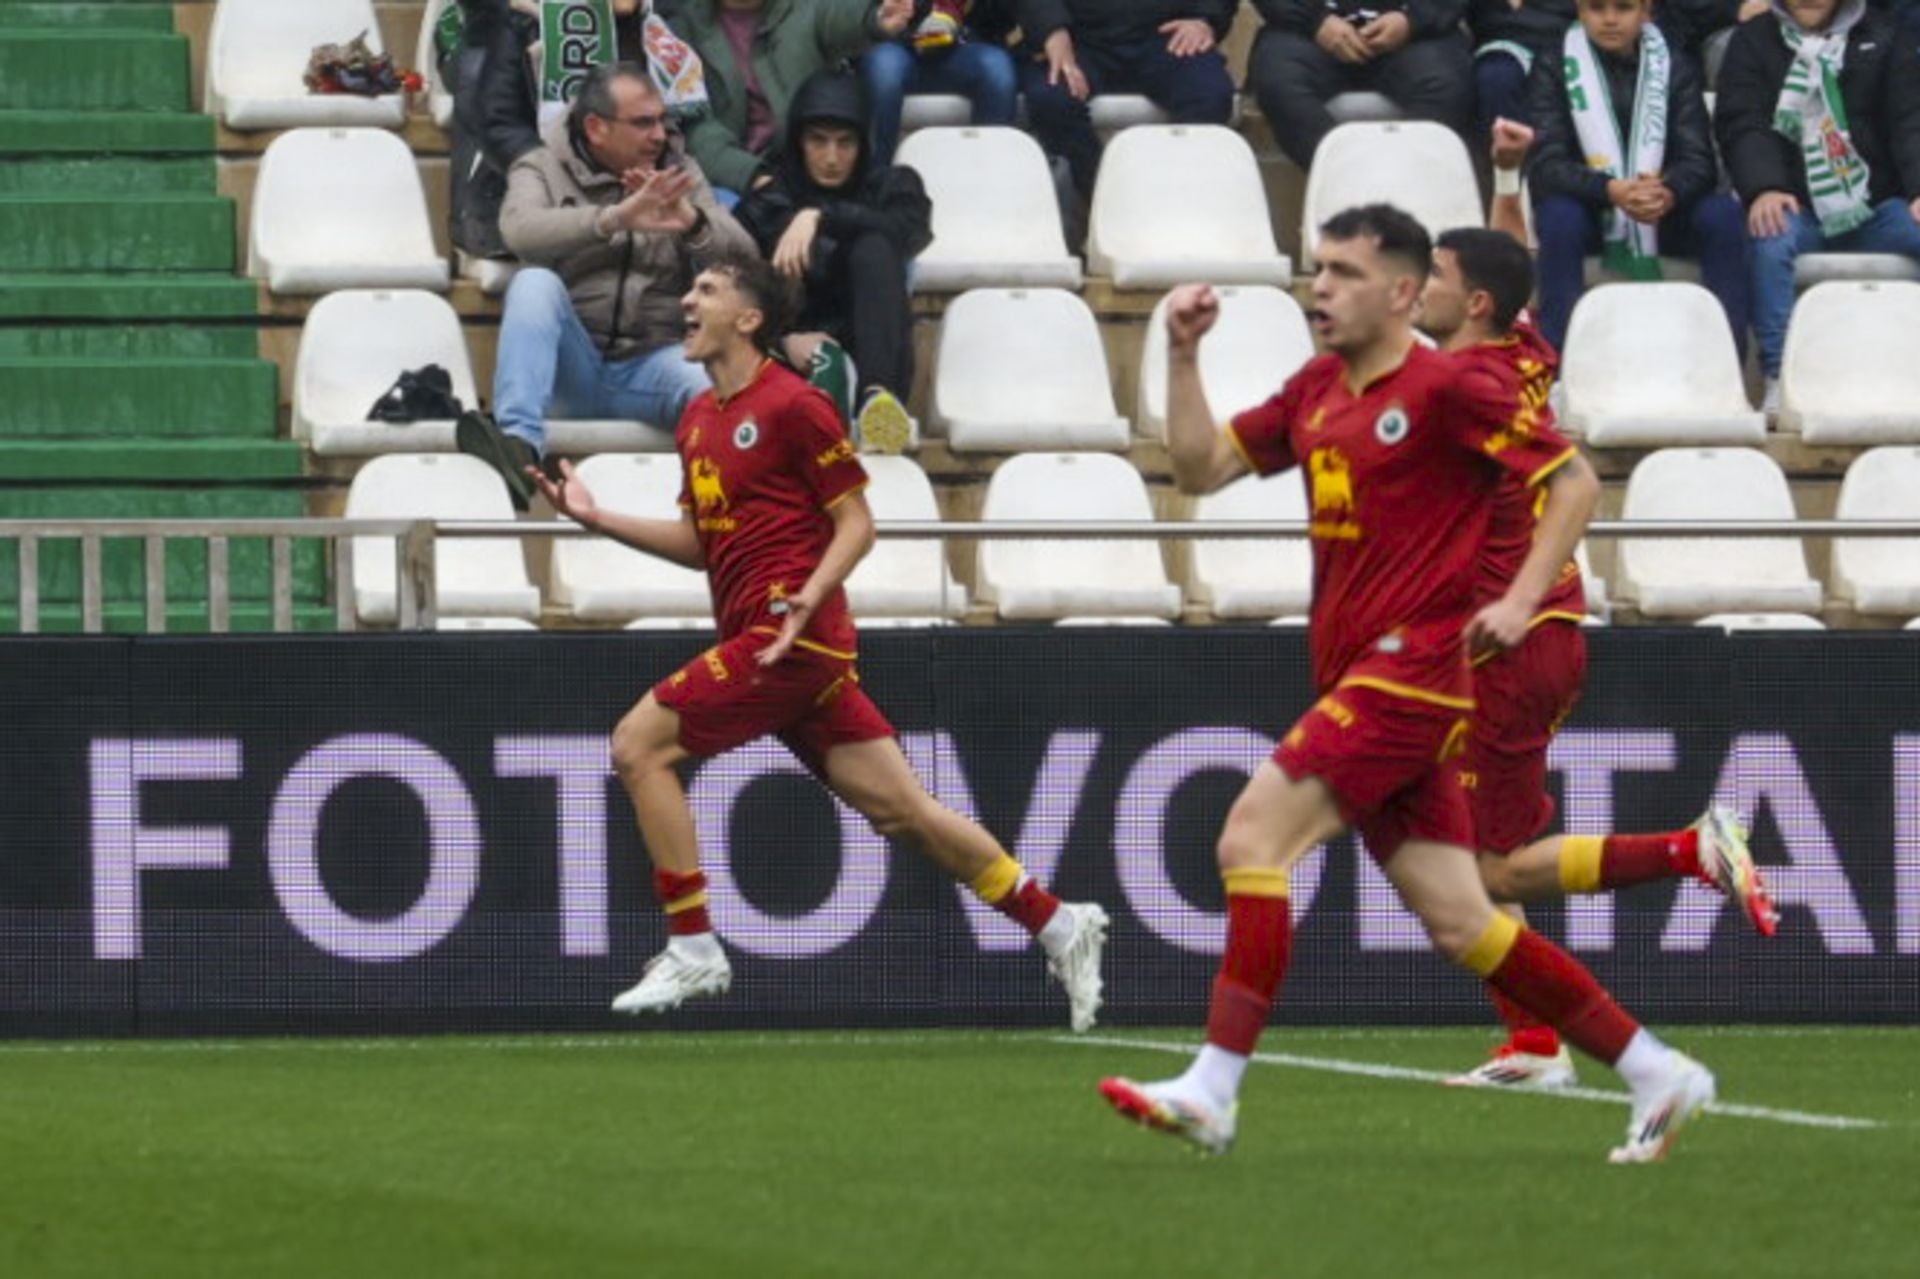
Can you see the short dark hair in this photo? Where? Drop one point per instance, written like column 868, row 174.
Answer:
column 1496, row 262
column 1397, row 233
column 596, row 91
column 769, row 294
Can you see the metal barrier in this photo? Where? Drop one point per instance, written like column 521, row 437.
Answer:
column 415, row 544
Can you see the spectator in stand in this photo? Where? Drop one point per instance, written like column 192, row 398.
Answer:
column 959, row 47
column 1165, row 49
column 612, row 218
column 1509, row 36
column 1691, row 25
column 1413, row 51
column 1623, row 165
column 844, row 228
column 756, row 54
column 1819, row 122
column 509, row 88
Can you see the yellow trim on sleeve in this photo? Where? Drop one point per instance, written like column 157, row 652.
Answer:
column 1491, row 948
column 1256, row 881
column 692, row 901
column 858, row 488
column 1553, row 466
column 996, row 881
column 1408, row 691
column 1240, row 447
column 1580, row 863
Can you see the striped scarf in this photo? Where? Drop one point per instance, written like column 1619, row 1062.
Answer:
column 1812, row 113
column 1629, row 248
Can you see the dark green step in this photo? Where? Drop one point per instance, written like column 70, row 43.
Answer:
column 93, row 71
column 148, row 461
column 131, row 296
column 121, row 132
column 118, row 341
column 182, row 619
column 86, row 17
column 123, row 560
column 171, row 399
column 115, row 175
column 143, row 233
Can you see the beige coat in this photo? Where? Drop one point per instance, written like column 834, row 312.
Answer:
column 626, row 289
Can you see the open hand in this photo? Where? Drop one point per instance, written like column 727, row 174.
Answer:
column 795, row 250
column 1063, row 68
column 1768, row 215
column 1187, row 37
column 893, row 16
column 799, row 613
column 570, row 497
column 657, row 202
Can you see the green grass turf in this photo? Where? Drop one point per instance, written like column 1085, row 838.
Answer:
column 940, row 1154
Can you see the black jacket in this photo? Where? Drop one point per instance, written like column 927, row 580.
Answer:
column 1100, row 22
column 1557, row 164
column 888, row 199
column 507, row 95
column 1537, row 24
column 1429, row 18
column 1877, row 83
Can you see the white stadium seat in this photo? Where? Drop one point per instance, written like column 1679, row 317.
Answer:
column 1258, row 342
column 1880, row 574
column 1849, row 376
column 1052, row 579
column 901, row 578
column 341, row 209
column 493, row 275
column 1599, row 608
column 1648, row 365
column 595, row 579
column 934, row 111
column 1733, row 623
column 474, row 577
column 1182, row 202
column 356, row 342
column 1112, row 112
column 1363, row 107
column 1023, row 369
column 996, row 220
column 426, row 61
column 256, row 61
column 1810, row 269
column 1253, row 577
column 1417, row 165
column 485, row 624
column 1692, row 577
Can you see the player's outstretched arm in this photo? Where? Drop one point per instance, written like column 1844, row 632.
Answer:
column 674, row 540
column 1203, row 458
column 1511, row 143
column 852, row 540
column 1573, row 491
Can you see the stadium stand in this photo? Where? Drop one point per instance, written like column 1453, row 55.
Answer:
column 1245, row 578
column 1732, row 623
column 1049, row 580
column 905, row 582
column 1182, row 202
column 1421, row 166
column 1848, row 376
column 598, row 580
column 1651, row 365
column 1260, row 338
column 354, row 345
column 1880, row 575
column 1023, row 369
column 341, row 209
column 474, row 577
column 1693, row 577
column 257, row 58
column 995, row 219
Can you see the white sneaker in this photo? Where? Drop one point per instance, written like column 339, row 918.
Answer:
column 1770, row 399
column 671, row 978
column 1662, row 1110
column 1077, row 964
column 884, row 426
column 1158, row 1107
column 1511, row 1068
column 1726, row 863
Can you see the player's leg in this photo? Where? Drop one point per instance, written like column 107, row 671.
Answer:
column 1441, row 884
column 851, row 746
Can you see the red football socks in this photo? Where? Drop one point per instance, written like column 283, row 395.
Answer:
column 1598, row 864
column 1553, row 986
column 684, row 898
column 1259, row 941
column 1008, row 888
column 1525, row 1032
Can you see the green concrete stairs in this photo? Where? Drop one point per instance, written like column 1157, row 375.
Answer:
column 131, row 384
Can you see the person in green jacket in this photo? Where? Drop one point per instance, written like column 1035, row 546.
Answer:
column 757, row 53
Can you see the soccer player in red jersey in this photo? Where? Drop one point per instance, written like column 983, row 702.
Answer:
column 1401, row 448
column 772, row 509
column 1474, row 304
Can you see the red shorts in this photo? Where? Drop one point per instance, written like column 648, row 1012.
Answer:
column 1521, row 697
column 810, row 699
column 1392, row 763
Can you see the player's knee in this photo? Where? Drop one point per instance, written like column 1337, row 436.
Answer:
column 1496, row 874
column 636, row 750
column 1239, row 849
column 1455, row 932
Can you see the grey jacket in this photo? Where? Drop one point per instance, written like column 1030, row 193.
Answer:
column 626, row 289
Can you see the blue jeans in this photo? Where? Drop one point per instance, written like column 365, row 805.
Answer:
column 1712, row 231
column 982, row 73
column 549, row 365
column 1890, row 230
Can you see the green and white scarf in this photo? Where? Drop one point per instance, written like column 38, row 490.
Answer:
column 1812, row 114
column 1630, row 248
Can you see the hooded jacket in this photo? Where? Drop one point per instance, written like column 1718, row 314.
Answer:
column 888, row 199
column 626, row 288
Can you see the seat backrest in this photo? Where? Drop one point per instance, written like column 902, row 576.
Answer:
column 1882, row 484
column 1260, row 339
column 356, row 342
column 1661, row 349
column 260, row 48
column 1281, row 567
column 642, row 484
column 992, row 193
column 1850, row 348
column 1069, row 486
column 1181, row 190
column 903, row 575
column 440, row 486
column 335, row 193
column 1708, row 484
column 1021, row 355
column 1416, row 165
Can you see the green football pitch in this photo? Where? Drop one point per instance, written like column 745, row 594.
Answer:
column 932, row 1153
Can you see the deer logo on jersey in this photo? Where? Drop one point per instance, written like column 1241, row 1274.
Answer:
column 1331, row 477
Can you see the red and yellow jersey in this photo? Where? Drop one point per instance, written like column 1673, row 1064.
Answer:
column 1516, row 507
column 1399, row 475
column 759, row 472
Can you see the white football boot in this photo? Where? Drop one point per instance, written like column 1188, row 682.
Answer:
column 1726, row 863
column 1076, row 965
column 1161, row 1108
column 1511, row 1068
column 1660, row 1111
column 675, row 975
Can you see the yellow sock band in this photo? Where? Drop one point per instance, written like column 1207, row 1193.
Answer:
column 997, row 880
column 1580, row 863
column 1489, row 949
column 1256, row 881
column 689, row 902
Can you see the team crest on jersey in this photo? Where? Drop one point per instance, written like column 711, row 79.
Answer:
column 746, row 435
column 1391, row 427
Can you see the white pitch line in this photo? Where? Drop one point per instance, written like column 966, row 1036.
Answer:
column 1375, row 1070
